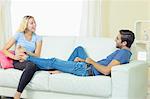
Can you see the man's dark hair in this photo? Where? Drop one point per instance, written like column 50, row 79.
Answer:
column 128, row 36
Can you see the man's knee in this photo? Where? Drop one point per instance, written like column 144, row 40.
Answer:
column 79, row 48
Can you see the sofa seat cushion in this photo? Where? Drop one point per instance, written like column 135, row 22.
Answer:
column 91, row 85
column 11, row 77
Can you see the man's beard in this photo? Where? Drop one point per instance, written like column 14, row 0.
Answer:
column 117, row 46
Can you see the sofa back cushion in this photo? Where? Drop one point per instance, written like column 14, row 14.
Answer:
column 96, row 47
column 59, row 47
column 62, row 47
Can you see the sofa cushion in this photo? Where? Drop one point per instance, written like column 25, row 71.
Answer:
column 10, row 78
column 91, row 85
column 5, row 61
column 40, row 81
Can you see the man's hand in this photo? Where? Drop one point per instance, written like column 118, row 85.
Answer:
column 89, row 61
column 77, row 59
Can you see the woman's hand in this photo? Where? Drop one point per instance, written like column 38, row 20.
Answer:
column 23, row 57
column 19, row 53
column 16, row 57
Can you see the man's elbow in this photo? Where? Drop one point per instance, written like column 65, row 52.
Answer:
column 106, row 71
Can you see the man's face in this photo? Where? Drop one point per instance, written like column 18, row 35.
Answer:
column 118, row 41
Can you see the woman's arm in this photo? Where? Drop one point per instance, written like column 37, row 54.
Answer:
column 7, row 46
column 37, row 50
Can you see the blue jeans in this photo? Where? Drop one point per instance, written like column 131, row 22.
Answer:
column 77, row 68
column 78, row 52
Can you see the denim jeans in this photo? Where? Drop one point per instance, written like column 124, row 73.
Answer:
column 78, row 52
column 77, row 68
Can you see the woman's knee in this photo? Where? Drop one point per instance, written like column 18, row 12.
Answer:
column 31, row 66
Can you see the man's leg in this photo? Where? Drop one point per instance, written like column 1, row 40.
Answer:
column 42, row 63
column 78, row 52
column 77, row 68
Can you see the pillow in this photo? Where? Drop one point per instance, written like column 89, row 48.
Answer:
column 5, row 61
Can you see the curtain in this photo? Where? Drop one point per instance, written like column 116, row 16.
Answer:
column 91, row 24
column 5, row 22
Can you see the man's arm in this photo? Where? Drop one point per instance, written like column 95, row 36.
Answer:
column 103, row 69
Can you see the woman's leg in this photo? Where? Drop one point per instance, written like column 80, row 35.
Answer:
column 29, row 70
column 19, row 65
column 27, row 75
column 78, row 52
column 77, row 68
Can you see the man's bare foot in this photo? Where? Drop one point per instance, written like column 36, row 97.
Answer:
column 17, row 95
column 54, row 72
column 20, row 51
column 24, row 57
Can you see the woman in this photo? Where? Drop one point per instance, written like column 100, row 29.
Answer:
column 26, row 38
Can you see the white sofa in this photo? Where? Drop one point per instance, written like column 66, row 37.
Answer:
column 148, row 93
column 128, row 81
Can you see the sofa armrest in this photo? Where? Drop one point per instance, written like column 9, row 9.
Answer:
column 129, row 81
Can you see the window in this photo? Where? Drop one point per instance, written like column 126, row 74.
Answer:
column 53, row 17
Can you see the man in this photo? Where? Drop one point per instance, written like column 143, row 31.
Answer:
column 79, row 63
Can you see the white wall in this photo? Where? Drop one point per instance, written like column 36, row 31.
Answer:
column 122, row 14
column 119, row 14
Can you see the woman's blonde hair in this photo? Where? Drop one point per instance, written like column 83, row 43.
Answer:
column 24, row 23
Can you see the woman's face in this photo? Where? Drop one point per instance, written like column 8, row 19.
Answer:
column 31, row 26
